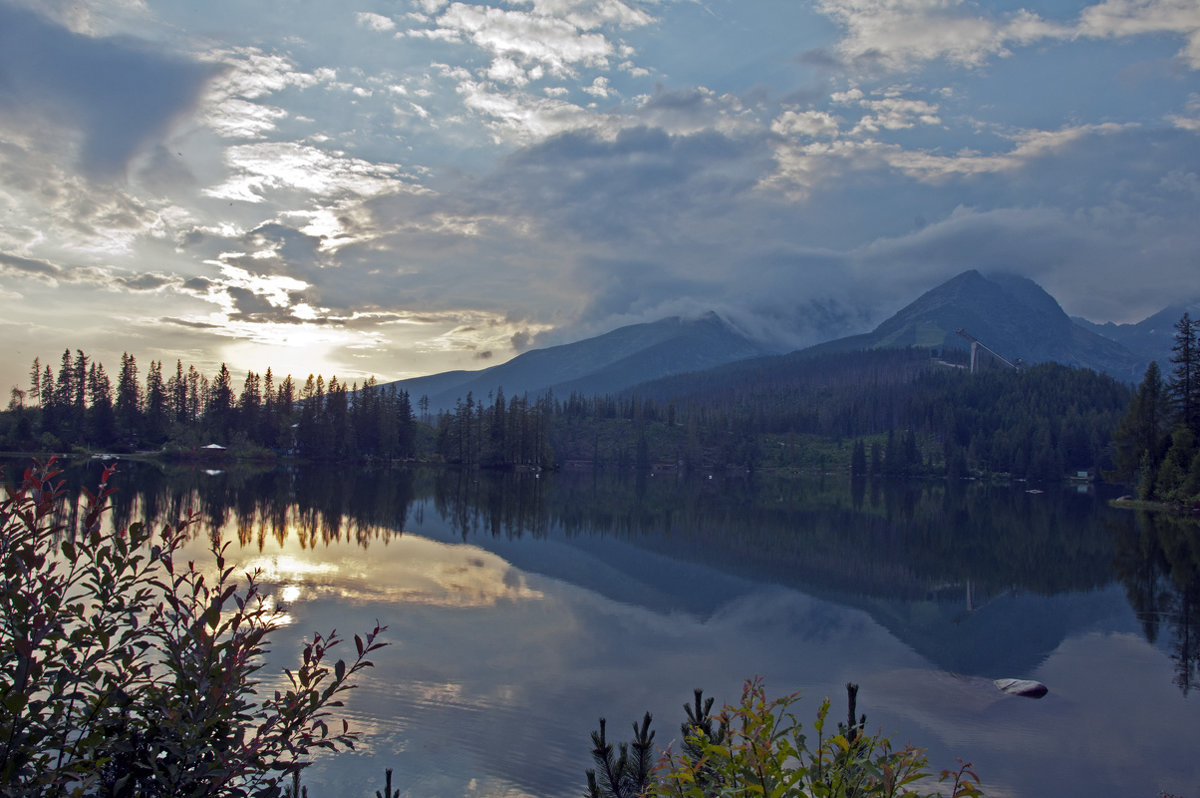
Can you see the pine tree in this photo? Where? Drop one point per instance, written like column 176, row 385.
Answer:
column 58, row 420
column 47, row 397
column 158, row 403
column 250, row 405
column 218, row 413
column 194, row 398
column 129, row 399
column 1185, row 378
column 177, row 388
column 35, row 381
column 101, row 421
column 1140, row 436
column 79, row 402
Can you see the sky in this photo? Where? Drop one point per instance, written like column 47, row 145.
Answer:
column 400, row 188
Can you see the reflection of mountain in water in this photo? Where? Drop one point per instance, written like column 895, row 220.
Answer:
column 978, row 579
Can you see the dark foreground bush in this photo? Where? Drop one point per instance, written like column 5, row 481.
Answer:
column 759, row 748
column 124, row 671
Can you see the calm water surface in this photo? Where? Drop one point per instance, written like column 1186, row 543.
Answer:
column 520, row 608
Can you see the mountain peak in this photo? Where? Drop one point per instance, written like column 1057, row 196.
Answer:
column 1010, row 314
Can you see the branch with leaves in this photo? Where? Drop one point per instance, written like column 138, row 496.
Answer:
column 124, row 671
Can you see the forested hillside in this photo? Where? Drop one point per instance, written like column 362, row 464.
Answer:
column 881, row 412
column 891, row 412
column 1157, row 444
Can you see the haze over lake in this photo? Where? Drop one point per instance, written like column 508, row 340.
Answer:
column 522, row 607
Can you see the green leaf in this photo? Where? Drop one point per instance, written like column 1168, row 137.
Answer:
column 15, row 702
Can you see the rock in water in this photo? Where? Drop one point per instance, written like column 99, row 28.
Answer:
column 1022, row 687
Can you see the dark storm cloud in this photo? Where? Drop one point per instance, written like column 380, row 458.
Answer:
column 632, row 287
column 1077, row 258
column 691, row 101
column 631, row 185
column 29, row 266
column 198, row 285
column 520, row 341
column 254, row 307
column 195, row 325
column 292, row 252
column 999, row 240
column 192, row 238
column 144, row 282
column 119, row 93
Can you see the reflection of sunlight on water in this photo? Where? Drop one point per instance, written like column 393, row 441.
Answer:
column 408, row 570
column 287, row 568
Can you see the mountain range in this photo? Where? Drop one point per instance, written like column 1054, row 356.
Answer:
column 607, row 363
column 1012, row 316
column 1151, row 338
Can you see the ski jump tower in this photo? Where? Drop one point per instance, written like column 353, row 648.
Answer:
column 976, row 345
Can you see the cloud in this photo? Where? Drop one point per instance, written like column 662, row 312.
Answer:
column 696, row 109
column 898, row 34
column 521, row 117
column 1123, row 18
column 590, row 15
column 376, row 22
column 597, row 188
column 902, row 34
column 189, row 323
column 233, row 102
column 1031, row 145
column 520, row 340
column 557, row 44
column 600, row 87
column 29, row 267
column 238, row 118
column 118, row 96
column 118, row 280
column 804, row 163
column 261, row 169
column 105, row 278
column 896, row 113
column 812, row 124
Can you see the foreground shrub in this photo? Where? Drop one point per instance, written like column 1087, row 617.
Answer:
column 758, row 748
column 124, row 671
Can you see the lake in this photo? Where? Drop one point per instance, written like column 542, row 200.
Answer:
column 522, row 607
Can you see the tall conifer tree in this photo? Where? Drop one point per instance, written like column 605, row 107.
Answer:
column 1185, row 378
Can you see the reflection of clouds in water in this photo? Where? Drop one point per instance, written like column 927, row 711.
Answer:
column 496, row 674
column 1110, row 705
column 407, row 570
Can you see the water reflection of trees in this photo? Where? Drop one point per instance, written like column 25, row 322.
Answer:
column 906, row 541
column 900, row 540
column 1158, row 560
column 315, row 507
column 892, row 539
